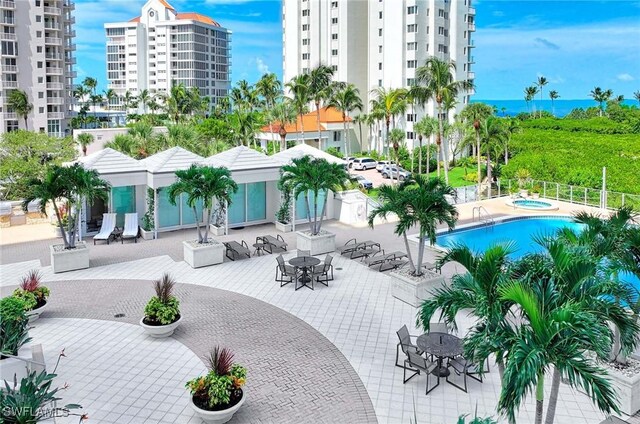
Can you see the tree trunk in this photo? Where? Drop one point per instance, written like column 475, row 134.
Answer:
column 420, row 154
column 488, row 173
column 479, row 167
column 206, row 212
column 26, row 125
column 553, row 398
column 428, row 155
column 302, row 127
column 438, row 142
column 360, row 131
column 306, row 203
column 418, row 270
column 195, row 213
column 409, row 255
column 319, row 129
column 315, row 214
column 346, row 137
column 324, row 208
column 62, row 230
column 506, row 152
column 442, row 143
column 539, row 397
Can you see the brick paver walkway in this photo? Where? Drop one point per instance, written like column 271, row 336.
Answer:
column 295, row 374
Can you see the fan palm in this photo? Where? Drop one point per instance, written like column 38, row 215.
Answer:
column 19, row 102
column 475, row 115
column 84, row 140
column 320, row 90
column 360, row 119
column 129, row 99
column 346, row 99
column 421, row 201
column 109, row 96
column 636, row 95
column 202, row 185
column 426, row 127
column 310, row 176
column 512, row 126
column 300, row 90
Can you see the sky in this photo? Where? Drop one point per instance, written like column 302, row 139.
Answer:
column 576, row 45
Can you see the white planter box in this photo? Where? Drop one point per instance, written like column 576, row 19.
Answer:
column 69, row 260
column 322, row 243
column 414, row 292
column 11, row 367
column 57, row 231
column 146, row 235
column 160, row 331
column 203, row 255
column 35, row 313
column 284, row 228
column 219, row 417
column 628, row 389
column 216, row 231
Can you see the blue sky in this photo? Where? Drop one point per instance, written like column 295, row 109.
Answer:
column 577, row 45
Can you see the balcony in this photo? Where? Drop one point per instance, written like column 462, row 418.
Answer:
column 53, row 40
column 472, row 44
column 10, row 84
column 71, row 33
column 52, row 25
column 53, row 70
column 7, row 4
column 55, row 100
column 471, row 75
column 55, row 115
column 7, row 36
column 72, row 74
column 52, row 11
column 7, row 21
column 472, row 11
column 55, row 85
column 70, row 46
column 9, row 68
column 472, row 59
column 53, row 56
column 10, row 115
column 71, row 19
column 472, row 26
column 69, row 5
column 71, row 60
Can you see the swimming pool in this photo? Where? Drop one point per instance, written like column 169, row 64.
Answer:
column 538, row 205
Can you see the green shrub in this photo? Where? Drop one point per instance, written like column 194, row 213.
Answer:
column 335, row 152
column 163, row 308
column 471, row 177
column 13, row 325
column 28, row 298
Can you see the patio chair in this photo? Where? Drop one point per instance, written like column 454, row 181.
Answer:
column 270, row 242
column 108, row 225
column 438, row 327
column 463, row 367
column 285, row 274
column 320, row 273
column 348, row 247
column 235, row 250
column 131, row 229
column 419, row 364
column 301, row 253
column 405, row 344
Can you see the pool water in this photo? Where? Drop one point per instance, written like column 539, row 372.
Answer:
column 519, row 230
column 532, row 204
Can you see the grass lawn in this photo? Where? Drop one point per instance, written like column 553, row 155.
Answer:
column 456, row 176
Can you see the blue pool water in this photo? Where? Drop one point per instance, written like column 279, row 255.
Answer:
column 519, row 230
column 533, row 204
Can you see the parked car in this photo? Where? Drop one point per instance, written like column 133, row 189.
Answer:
column 395, row 173
column 362, row 164
column 363, row 182
column 382, row 163
column 350, row 160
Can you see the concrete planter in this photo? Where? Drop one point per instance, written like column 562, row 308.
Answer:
column 203, row 255
column 412, row 291
column 325, row 242
column 216, row 231
column 146, row 235
column 34, row 314
column 218, row 417
column 63, row 260
column 160, row 331
column 57, row 231
column 11, row 367
column 284, row 228
column 628, row 389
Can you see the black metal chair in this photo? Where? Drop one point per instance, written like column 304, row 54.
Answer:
column 323, row 273
column 419, row 364
column 285, row 274
column 405, row 344
column 301, row 253
column 464, row 368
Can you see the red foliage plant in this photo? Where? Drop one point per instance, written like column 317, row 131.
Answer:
column 31, row 282
column 220, row 360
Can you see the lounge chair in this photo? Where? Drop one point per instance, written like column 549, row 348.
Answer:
column 270, row 242
column 236, row 250
column 108, row 225
column 348, row 247
column 131, row 229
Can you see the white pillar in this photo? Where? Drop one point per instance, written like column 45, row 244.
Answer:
column 155, row 213
column 293, row 214
column 226, row 220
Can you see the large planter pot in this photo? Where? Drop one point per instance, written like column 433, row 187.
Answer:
column 63, row 260
column 325, row 242
column 218, row 417
column 147, row 235
column 160, row 331
column 199, row 255
column 628, row 389
column 284, row 228
column 11, row 367
column 414, row 290
column 34, row 314
column 216, row 231
column 57, row 231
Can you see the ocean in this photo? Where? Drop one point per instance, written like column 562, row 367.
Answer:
column 561, row 107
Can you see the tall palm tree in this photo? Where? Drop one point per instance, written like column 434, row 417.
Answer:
column 438, row 77
column 19, row 102
column 540, row 83
column 346, row 99
column 553, row 95
column 529, row 94
column 91, row 84
column 636, row 95
column 421, row 201
column 475, row 115
column 494, row 137
column 320, row 91
column 360, row 119
column 109, row 96
column 512, row 126
column 84, row 140
column 387, row 103
column 426, row 127
column 144, row 98
column 601, row 96
column 202, row 185
column 128, row 99
column 270, row 88
column 396, row 137
column 283, row 113
column 309, row 176
column 300, row 90
column 449, row 103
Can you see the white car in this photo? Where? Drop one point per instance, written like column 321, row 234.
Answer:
column 362, row 164
column 395, row 173
column 363, row 182
column 382, row 163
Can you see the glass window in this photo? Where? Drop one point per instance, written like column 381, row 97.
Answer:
column 237, row 210
column 168, row 214
column 123, row 200
column 187, row 212
column 301, row 209
column 256, row 201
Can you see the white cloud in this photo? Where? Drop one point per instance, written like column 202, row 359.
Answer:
column 263, row 68
column 625, row 77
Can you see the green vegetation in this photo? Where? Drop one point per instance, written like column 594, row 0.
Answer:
column 164, row 307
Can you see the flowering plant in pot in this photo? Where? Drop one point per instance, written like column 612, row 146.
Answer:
column 217, row 395
column 33, row 295
column 162, row 313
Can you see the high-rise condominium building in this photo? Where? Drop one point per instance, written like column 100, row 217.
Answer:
column 379, row 43
column 37, row 58
column 163, row 47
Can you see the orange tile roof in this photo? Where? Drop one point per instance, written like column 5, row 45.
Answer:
column 328, row 115
column 167, row 5
column 197, row 17
column 137, row 19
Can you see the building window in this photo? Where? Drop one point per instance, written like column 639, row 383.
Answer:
column 334, row 68
column 442, row 48
column 411, row 117
column 305, row 27
column 40, row 80
column 334, row 4
column 412, row 10
column 412, row 28
column 380, row 66
column 412, row 46
column 443, row 31
column 41, row 110
column 379, row 83
column 334, row 20
column 305, row 12
column 38, row 34
column 305, row 41
column 411, row 82
column 334, row 52
column 334, row 36
column 336, row 136
column 39, row 65
column 410, row 135
column 38, row 18
column 380, row 32
column 41, row 94
column 379, row 15
column 379, row 49
column 412, row 64
column 305, row 56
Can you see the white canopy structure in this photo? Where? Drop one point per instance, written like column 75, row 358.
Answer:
column 286, row 156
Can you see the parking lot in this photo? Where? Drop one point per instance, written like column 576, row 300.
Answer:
column 372, row 175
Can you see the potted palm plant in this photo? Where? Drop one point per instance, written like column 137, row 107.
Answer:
column 202, row 185
column 162, row 313
column 14, row 336
column 33, row 295
column 420, row 202
column 310, row 177
column 75, row 184
column 283, row 214
column 216, row 396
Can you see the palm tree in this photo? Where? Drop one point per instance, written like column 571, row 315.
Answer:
column 360, row 119
column 636, row 95
column 438, row 77
column 426, row 127
column 300, row 89
column 553, row 95
column 312, row 176
column 540, row 83
column 387, row 103
column 512, row 127
column 320, row 90
column 84, row 140
column 73, row 183
column 476, row 291
column 283, row 113
column 124, row 143
column 144, row 98
column 270, row 88
column 421, row 201
column 476, row 114
column 202, row 185
column 396, row 136
column 494, row 138
column 128, row 99
column 529, row 94
column 19, row 102
column 91, row 84
column 346, row 99
column 601, row 96
column 96, row 99
column 109, row 96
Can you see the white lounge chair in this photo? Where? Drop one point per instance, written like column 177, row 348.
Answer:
column 130, row 227
column 108, row 225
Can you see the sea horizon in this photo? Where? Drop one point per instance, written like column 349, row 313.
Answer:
column 561, row 107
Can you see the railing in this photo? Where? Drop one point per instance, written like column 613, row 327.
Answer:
column 52, row 40
column 52, row 11
column 52, row 25
column 53, row 56
column 472, row 26
column 10, row 115
column 7, row 36
column 10, row 84
column 54, row 70
column 55, row 86
column 481, row 210
column 55, row 100
column 55, row 115
column 9, row 68
column 7, row 4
